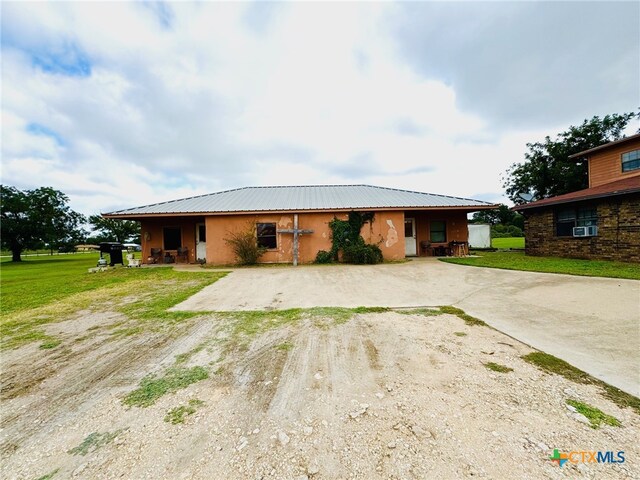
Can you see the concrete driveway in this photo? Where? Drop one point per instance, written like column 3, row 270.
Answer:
column 592, row 323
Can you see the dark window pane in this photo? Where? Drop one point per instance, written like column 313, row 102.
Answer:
column 564, row 229
column 172, row 238
column 438, row 232
column 266, row 229
column 202, row 233
column 587, row 216
column 408, row 228
column 566, row 214
column 266, row 233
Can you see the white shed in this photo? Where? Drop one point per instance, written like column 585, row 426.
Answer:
column 479, row 235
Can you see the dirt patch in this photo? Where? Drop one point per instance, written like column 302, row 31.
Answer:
column 380, row 396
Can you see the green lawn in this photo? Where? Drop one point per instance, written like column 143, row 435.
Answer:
column 508, row 242
column 39, row 280
column 519, row 261
column 41, row 290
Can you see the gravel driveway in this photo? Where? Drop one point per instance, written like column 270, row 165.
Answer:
column 593, row 323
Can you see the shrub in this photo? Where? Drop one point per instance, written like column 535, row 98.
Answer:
column 324, row 257
column 245, row 246
column 346, row 238
column 362, row 253
column 506, row 231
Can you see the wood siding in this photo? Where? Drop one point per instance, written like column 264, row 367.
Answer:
column 606, row 166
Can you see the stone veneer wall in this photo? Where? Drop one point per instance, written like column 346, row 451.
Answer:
column 618, row 232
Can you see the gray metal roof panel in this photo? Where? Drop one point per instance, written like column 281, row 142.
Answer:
column 299, row 198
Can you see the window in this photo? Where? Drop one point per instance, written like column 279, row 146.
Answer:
column 567, row 218
column 267, row 235
column 631, row 161
column 438, row 232
column 202, row 233
column 586, row 217
column 172, row 237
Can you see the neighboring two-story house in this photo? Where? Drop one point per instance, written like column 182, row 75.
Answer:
column 599, row 222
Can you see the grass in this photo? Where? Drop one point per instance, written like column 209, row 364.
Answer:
column 49, row 475
column 468, row 319
column 53, row 343
column 551, row 364
column 460, row 334
column 284, row 346
column 496, row 367
column 508, row 242
column 244, row 325
column 41, row 290
column 152, row 388
column 176, row 415
column 37, row 281
column 247, row 324
column 596, row 416
column 570, row 266
column 94, row 441
column 426, row 312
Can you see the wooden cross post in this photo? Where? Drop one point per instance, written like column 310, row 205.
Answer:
column 296, row 237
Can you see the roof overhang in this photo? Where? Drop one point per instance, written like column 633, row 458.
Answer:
column 140, row 216
column 559, row 201
column 615, row 143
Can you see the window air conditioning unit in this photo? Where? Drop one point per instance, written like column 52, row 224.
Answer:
column 590, row 231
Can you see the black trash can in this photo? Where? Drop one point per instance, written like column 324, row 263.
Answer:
column 114, row 249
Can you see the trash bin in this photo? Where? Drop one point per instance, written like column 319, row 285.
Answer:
column 114, row 249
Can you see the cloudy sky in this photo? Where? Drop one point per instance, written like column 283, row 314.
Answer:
column 125, row 104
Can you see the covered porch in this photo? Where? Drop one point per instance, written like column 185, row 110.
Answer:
column 173, row 240
column 436, row 233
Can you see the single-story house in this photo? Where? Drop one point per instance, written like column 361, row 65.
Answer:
column 599, row 222
column 405, row 223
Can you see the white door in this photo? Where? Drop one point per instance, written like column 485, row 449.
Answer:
column 410, row 249
column 201, row 242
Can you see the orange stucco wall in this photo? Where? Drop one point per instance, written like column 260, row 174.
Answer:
column 386, row 231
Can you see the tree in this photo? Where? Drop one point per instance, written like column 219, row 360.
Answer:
column 115, row 230
column 503, row 215
column 504, row 221
column 32, row 218
column 547, row 170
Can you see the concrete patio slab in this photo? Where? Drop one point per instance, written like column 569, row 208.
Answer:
column 592, row 323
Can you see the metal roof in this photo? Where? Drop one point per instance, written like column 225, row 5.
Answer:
column 300, row 198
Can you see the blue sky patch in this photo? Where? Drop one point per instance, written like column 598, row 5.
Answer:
column 67, row 59
column 162, row 11
column 39, row 129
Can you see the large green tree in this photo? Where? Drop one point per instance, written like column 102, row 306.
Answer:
column 547, row 170
column 33, row 218
column 115, row 230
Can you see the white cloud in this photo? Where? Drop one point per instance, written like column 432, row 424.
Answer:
column 203, row 100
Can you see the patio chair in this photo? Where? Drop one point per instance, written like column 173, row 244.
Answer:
column 182, row 253
column 156, row 255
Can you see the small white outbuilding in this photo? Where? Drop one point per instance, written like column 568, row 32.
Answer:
column 479, row 235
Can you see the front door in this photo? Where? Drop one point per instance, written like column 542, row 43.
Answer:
column 201, row 242
column 410, row 249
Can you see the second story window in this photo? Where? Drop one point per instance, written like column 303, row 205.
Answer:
column 631, row 161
